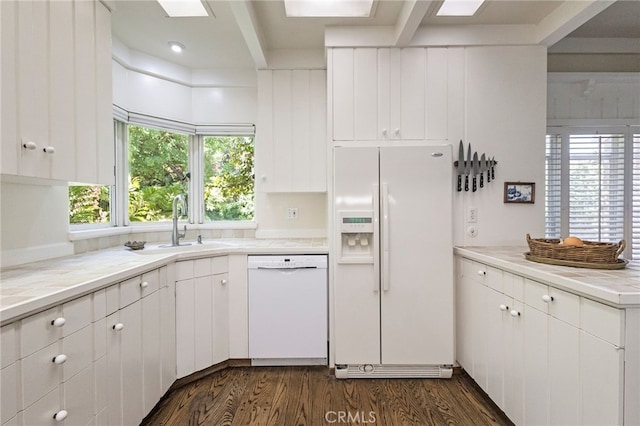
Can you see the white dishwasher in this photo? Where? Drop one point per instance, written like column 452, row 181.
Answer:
column 288, row 310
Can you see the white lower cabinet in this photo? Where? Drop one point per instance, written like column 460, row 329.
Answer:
column 543, row 355
column 104, row 358
column 202, row 314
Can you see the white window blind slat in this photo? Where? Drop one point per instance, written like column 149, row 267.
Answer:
column 553, row 183
column 635, row 208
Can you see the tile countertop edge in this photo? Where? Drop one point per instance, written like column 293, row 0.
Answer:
column 534, row 272
column 141, row 264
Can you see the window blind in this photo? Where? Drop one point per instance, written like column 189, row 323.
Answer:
column 553, row 186
column 596, row 186
column 635, row 215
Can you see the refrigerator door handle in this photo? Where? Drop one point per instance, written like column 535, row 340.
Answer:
column 385, row 237
column 376, row 238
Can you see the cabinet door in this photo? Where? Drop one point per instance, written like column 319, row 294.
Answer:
column 601, row 375
column 104, row 97
column 33, row 86
column 498, row 308
column 514, row 376
column 464, row 323
column 536, row 347
column 132, row 367
column 78, row 397
column 564, row 353
column 114, row 369
column 168, row 335
column 61, row 92
column 185, row 328
column 11, row 143
column 151, row 351
column 411, row 86
column 203, row 325
column 342, row 93
column 85, row 92
column 220, row 318
column 9, row 392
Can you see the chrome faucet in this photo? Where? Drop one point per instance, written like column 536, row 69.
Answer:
column 180, row 203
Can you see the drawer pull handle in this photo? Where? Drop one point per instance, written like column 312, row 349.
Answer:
column 60, row 415
column 58, row 322
column 504, row 307
column 49, row 149
column 119, row 326
column 223, row 281
column 31, row 146
column 482, row 273
column 546, row 298
column 144, row 284
column 59, row 359
column 514, row 313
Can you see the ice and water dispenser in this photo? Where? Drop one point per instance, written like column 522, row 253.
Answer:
column 357, row 236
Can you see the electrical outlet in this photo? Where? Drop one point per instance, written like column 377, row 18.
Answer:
column 472, row 215
column 292, row 213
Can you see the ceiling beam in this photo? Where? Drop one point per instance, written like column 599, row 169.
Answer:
column 248, row 24
column 566, row 18
column 409, row 20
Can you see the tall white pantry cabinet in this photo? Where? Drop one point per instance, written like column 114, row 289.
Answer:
column 57, row 90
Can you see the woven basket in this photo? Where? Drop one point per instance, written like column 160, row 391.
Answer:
column 591, row 252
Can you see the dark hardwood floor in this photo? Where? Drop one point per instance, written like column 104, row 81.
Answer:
column 284, row 396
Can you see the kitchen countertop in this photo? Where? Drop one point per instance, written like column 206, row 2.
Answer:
column 33, row 287
column 620, row 288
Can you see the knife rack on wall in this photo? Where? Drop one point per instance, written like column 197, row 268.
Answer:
column 473, row 167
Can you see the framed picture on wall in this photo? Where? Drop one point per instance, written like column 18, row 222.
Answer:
column 520, row 192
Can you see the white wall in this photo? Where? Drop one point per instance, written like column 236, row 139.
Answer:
column 504, row 115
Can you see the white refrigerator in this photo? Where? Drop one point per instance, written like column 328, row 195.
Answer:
column 393, row 261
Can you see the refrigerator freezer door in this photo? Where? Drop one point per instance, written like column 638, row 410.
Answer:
column 356, row 302
column 417, row 309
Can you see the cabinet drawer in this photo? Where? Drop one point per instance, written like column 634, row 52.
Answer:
column 220, row 265
column 112, row 296
column 565, row 306
column 78, row 313
column 8, row 349
column 40, row 375
column 535, row 294
column 494, row 279
column 602, row 321
column 150, row 283
column 78, row 396
column 99, row 305
column 78, row 350
column 9, row 393
column 130, row 291
column 474, row 270
column 41, row 413
column 38, row 331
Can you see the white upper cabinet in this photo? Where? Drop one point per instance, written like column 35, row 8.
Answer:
column 56, row 81
column 388, row 94
column 291, row 131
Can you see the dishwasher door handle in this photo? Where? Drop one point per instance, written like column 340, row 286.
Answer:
column 284, row 267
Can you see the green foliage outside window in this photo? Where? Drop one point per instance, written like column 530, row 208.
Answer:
column 158, row 171
column 158, row 162
column 228, row 178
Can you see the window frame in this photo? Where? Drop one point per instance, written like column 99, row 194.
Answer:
column 119, row 192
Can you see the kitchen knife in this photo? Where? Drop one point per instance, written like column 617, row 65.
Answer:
column 487, row 167
column 493, row 163
column 476, row 169
column 482, row 169
column 460, row 165
column 467, row 169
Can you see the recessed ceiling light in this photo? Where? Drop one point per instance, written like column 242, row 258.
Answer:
column 176, row 47
column 328, row 8
column 183, row 8
column 459, row 7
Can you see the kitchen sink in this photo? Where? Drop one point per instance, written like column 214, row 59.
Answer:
column 160, row 248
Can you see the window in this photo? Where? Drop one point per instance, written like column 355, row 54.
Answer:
column 228, row 178
column 158, row 171
column 592, row 187
column 89, row 204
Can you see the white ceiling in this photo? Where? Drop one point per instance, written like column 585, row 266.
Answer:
column 230, row 39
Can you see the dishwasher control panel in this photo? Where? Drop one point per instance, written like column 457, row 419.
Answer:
column 287, row 262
